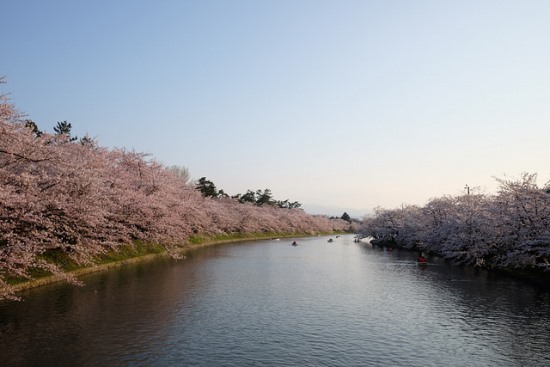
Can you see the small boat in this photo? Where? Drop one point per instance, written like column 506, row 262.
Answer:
column 330, row 240
column 294, row 243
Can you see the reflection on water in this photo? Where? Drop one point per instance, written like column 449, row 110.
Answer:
column 268, row 303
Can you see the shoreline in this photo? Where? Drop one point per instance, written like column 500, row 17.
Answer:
column 532, row 276
column 184, row 250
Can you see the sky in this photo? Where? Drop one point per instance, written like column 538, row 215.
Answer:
column 339, row 105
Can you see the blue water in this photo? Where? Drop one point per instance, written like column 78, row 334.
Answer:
column 266, row 303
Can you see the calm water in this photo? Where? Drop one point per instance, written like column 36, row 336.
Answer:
column 270, row 304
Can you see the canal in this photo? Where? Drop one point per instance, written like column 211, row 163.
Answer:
column 267, row 303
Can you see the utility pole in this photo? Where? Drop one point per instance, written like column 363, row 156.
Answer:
column 467, row 189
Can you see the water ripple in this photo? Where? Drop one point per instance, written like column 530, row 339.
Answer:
column 267, row 304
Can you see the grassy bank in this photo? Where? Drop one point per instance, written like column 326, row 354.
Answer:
column 137, row 252
column 123, row 255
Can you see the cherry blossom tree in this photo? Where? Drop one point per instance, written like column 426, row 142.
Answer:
column 75, row 197
column 522, row 235
column 506, row 230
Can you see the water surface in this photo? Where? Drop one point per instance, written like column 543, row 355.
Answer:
column 266, row 303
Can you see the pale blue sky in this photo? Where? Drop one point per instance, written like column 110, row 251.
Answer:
column 340, row 105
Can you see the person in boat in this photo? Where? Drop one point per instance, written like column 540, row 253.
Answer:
column 422, row 259
column 330, row 240
column 294, row 243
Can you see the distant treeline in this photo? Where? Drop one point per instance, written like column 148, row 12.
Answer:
column 61, row 193
column 258, row 197
column 509, row 230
